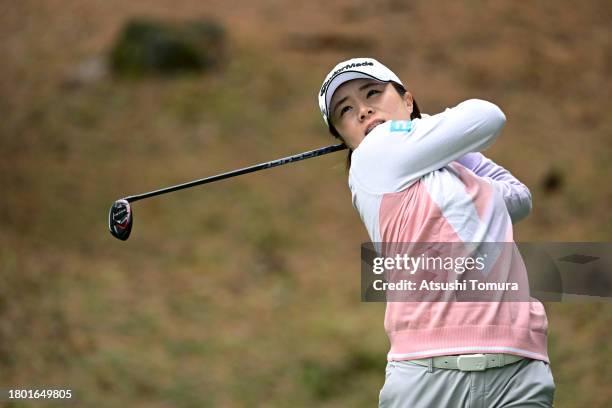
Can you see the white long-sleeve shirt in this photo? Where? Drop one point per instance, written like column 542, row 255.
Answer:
column 422, row 181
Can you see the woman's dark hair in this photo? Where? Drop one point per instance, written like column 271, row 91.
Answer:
column 416, row 113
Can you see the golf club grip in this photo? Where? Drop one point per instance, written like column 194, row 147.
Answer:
column 245, row 170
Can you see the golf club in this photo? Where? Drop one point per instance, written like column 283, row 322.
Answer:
column 121, row 216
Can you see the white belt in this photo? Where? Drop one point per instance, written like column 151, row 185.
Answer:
column 469, row 362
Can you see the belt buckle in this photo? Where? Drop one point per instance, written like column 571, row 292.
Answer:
column 472, row 362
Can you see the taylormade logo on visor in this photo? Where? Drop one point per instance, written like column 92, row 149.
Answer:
column 344, row 68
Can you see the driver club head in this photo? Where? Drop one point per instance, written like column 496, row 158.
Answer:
column 120, row 219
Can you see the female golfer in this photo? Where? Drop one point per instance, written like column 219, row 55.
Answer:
column 420, row 178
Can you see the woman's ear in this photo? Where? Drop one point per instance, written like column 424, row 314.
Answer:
column 408, row 99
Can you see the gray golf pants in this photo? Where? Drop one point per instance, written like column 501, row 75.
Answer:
column 526, row 383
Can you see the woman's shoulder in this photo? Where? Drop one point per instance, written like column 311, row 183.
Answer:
column 386, row 138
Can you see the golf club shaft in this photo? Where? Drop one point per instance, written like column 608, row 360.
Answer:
column 250, row 169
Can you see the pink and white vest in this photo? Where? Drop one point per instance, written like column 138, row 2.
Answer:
column 422, row 181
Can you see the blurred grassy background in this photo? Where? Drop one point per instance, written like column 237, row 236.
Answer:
column 246, row 292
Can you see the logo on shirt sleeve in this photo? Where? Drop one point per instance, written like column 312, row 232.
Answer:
column 401, row 126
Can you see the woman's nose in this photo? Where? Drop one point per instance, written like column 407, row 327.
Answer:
column 365, row 111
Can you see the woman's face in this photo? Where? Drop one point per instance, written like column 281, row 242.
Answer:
column 359, row 105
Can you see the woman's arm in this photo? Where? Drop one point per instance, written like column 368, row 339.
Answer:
column 393, row 157
column 516, row 195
